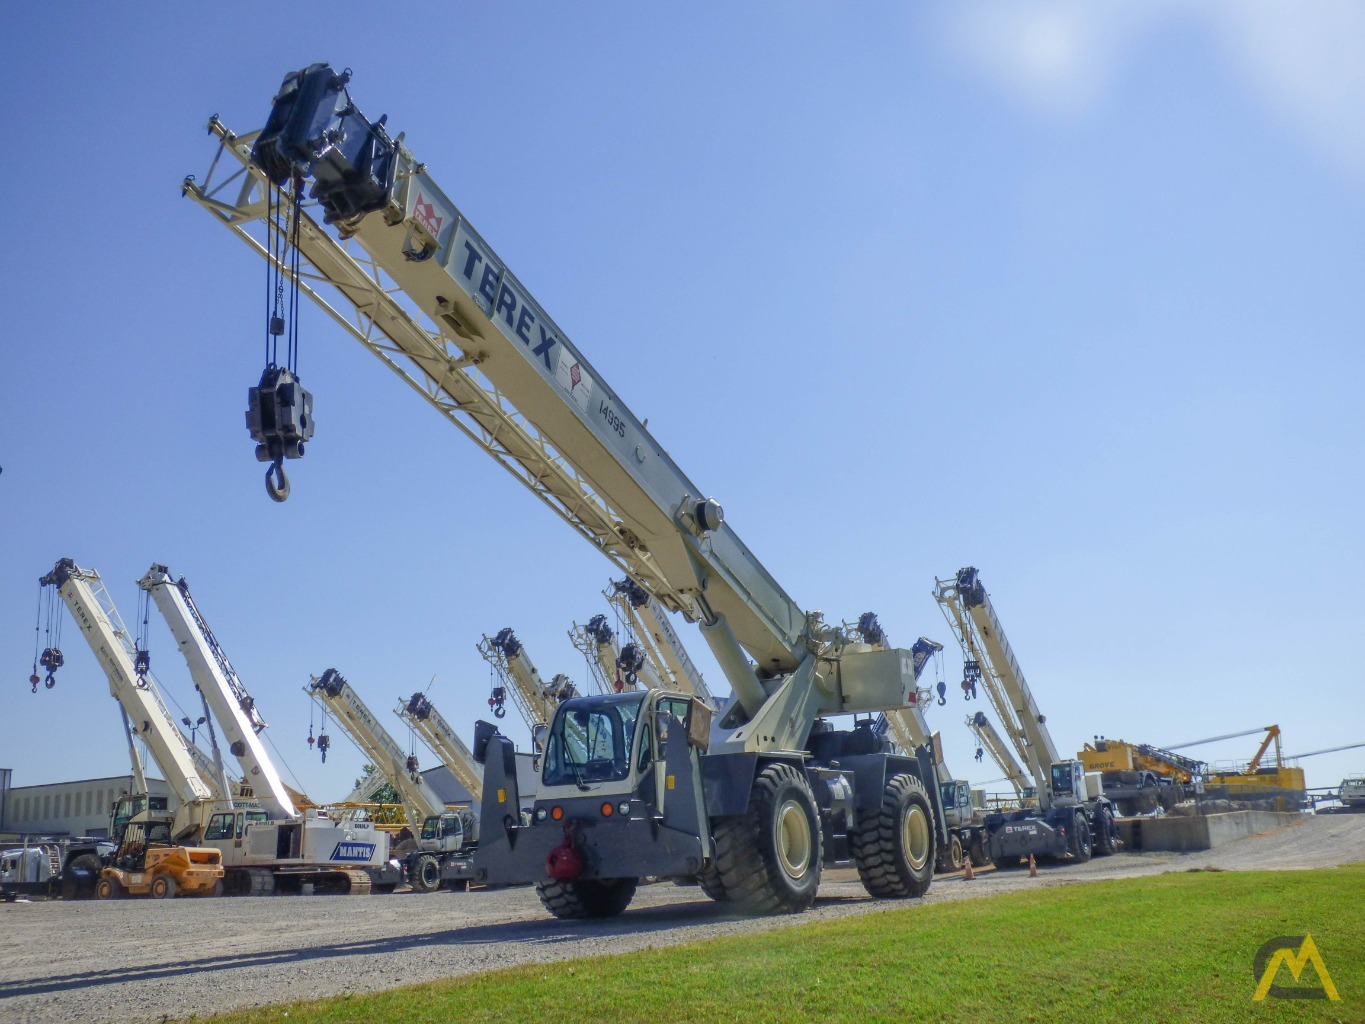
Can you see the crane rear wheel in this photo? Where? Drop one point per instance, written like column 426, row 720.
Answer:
column 893, row 845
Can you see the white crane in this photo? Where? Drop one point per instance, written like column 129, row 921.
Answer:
column 444, row 837
column 422, row 291
column 613, row 668
column 215, row 678
column 531, row 695
column 656, row 639
column 1073, row 817
column 438, row 734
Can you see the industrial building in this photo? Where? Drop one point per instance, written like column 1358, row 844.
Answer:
column 78, row 808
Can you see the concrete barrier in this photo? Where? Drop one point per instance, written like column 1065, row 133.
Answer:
column 1187, row 833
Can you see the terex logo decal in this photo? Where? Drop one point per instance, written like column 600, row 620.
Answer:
column 353, row 851
column 513, row 312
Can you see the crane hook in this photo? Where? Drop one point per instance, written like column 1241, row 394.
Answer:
column 278, row 488
column 942, row 689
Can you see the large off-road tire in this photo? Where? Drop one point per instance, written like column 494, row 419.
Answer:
column 710, row 883
column 162, row 888
column 951, row 857
column 588, row 898
column 108, row 889
column 425, row 875
column 1106, row 833
column 1080, row 840
column 893, row 845
column 977, row 854
column 80, row 876
column 768, row 859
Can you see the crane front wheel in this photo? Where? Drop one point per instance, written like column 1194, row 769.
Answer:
column 426, row 874
column 768, row 859
column 587, row 898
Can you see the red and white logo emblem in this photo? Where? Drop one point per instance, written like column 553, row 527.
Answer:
column 427, row 215
column 575, row 375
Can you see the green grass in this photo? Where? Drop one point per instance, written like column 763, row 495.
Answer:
column 1176, row 947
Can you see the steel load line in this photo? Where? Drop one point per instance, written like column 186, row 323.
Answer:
column 438, row 734
column 85, row 595
column 1328, row 750
column 969, row 612
column 485, row 361
column 1215, row 739
column 221, row 688
column 399, row 769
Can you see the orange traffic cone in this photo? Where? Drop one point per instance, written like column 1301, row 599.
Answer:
column 968, row 876
column 1032, row 867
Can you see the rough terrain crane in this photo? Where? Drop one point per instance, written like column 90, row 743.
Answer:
column 290, row 848
column 754, row 802
column 444, row 837
column 1073, row 817
column 532, row 696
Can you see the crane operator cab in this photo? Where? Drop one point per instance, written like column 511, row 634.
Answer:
column 619, row 787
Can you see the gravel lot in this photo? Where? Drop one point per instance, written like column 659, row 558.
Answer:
column 140, row 960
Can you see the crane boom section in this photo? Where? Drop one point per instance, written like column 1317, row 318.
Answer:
column 223, row 691
column 530, row 694
column 996, row 746
column 598, row 644
column 441, row 737
column 1001, row 675
column 497, row 359
column 84, row 594
column 419, row 800
column 659, row 641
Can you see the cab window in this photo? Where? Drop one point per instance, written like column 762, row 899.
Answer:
column 679, row 708
column 220, row 827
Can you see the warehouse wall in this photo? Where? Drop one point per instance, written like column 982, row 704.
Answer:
column 78, row 808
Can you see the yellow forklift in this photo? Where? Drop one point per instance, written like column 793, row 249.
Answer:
column 149, row 864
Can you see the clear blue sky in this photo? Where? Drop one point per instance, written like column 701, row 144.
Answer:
column 1070, row 292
